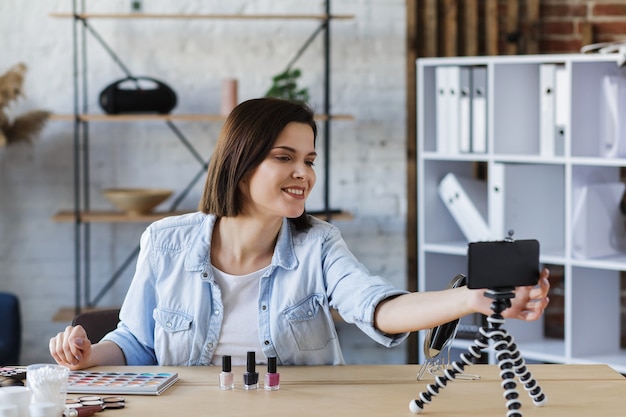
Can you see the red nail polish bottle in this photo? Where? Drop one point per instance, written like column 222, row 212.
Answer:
column 272, row 378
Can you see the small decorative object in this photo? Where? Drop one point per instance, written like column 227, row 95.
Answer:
column 136, row 201
column 229, row 96
column 285, row 85
column 23, row 128
column 137, row 95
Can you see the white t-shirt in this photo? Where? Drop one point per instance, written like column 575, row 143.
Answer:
column 240, row 330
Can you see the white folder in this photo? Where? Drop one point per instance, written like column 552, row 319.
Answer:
column 441, row 110
column 562, row 109
column 496, row 201
column 612, row 127
column 547, row 114
column 466, row 199
column 447, row 79
column 454, row 86
column 465, row 110
column 479, row 109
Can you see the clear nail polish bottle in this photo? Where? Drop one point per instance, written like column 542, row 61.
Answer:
column 227, row 377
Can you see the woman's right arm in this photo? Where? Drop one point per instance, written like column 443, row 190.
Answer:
column 73, row 349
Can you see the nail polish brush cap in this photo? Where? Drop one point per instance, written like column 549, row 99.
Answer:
column 271, row 365
column 226, row 363
column 251, row 362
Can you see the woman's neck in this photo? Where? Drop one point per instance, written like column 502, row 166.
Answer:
column 241, row 245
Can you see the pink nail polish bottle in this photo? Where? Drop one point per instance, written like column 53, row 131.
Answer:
column 227, row 377
column 272, row 378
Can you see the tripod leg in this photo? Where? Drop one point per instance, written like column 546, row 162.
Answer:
column 417, row 406
column 524, row 375
column 506, row 364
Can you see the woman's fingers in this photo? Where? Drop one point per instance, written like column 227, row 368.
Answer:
column 68, row 347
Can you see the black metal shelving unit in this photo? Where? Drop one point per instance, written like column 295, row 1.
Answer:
column 81, row 215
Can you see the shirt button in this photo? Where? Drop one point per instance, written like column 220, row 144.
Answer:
column 210, row 345
column 206, row 274
column 267, row 342
column 168, row 324
column 216, row 312
column 309, row 313
column 264, row 307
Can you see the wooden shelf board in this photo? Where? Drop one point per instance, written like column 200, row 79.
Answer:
column 121, row 217
column 202, row 16
column 334, row 215
column 135, row 117
column 112, row 216
column 67, row 314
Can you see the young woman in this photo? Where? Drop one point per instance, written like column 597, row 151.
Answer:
column 251, row 271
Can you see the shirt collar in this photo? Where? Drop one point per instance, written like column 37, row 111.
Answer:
column 198, row 259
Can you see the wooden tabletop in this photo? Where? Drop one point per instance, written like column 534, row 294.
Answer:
column 377, row 390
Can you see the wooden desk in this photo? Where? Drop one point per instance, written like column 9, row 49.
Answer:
column 378, row 390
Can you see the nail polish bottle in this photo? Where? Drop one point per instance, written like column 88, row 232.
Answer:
column 227, row 377
column 251, row 377
column 272, row 378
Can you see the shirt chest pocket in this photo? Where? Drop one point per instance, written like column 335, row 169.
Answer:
column 172, row 337
column 310, row 326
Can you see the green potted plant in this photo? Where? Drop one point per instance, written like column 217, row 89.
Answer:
column 285, row 85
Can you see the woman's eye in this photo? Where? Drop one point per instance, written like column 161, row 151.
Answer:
column 283, row 158
column 310, row 163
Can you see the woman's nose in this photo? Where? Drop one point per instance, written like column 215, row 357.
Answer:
column 300, row 171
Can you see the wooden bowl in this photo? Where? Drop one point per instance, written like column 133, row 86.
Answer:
column 136, row 201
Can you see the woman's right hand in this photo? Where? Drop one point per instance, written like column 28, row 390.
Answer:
column 71, row 348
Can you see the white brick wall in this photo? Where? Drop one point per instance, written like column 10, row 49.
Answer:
column 368, row 154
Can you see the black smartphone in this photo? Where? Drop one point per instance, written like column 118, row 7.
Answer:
column 503, row 264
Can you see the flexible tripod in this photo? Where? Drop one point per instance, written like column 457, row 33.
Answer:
column 509, row 359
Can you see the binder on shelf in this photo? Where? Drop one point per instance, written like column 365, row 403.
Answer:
column 496, row 201
column 447, row 108
column 598, row 222
column 479, row 109
column 466, row 199
column 465, row 110
column 547, row 104
column 611, row 126
column 562, row 110
column 441, row 107
column 454, row 87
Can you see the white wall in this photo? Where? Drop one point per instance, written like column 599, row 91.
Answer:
column 193, row 56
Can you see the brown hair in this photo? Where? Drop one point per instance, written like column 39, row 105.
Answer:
column 247, row 137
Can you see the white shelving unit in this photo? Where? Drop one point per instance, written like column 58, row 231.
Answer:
column 540, row 193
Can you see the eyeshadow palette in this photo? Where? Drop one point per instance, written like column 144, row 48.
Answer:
column 143, row 383
column 13, row 372
column 10, row 376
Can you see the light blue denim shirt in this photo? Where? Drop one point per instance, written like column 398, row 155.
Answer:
column 172, row 314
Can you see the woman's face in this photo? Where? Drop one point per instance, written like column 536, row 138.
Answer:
column 280, row 185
